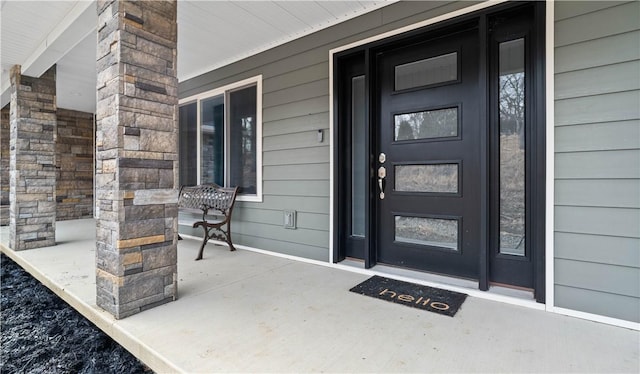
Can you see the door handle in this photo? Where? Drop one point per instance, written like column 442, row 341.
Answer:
column 381, row 185
column 382, row 173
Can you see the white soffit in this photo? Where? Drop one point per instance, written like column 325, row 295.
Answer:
column 26, row 26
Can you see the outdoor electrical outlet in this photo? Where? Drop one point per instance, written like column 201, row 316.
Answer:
column 289, row 219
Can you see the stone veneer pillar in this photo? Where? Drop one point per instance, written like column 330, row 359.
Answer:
column 136, row 155
column 5, row 156
column 32, row 168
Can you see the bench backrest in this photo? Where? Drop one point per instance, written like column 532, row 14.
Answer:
column 208, row 197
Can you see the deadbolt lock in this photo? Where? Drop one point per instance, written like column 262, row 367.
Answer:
column 382, row 158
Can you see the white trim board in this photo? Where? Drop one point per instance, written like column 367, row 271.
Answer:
column 550, row 154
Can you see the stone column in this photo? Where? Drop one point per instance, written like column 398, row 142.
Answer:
column 32, row 167
column 5, row 156
column 136, row 155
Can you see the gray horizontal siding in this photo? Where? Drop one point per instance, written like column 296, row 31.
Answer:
column 318, row 188
column 612, row 250
column 581, row 28
column 601, row 303
column 598, row 136
column 266, row 223
column 294, row 140
column 618, row 106
column 617, row 193
column 308, row 204
column 296, row 108
column 610, row 50
column 295, row 156
column 619, row 164
column 285, row 247
column 302, row 91
column 297, row 77
column 620, row 280
column 599, row 80
column 315, row 238
column 296, row 125
column 597, row 160
column 598, row 221
column 304, row 220
column 279, row 246
column 570, row 9
column 294, row 173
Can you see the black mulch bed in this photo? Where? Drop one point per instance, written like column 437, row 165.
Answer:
column 42, row 334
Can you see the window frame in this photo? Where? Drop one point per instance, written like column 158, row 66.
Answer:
column 225, row 91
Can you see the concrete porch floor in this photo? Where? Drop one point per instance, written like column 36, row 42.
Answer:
column 249, row 312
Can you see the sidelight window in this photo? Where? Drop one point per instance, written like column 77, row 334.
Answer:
column 512, row 147
column 358, row 156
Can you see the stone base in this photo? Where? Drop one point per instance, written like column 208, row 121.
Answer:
column 131, row 294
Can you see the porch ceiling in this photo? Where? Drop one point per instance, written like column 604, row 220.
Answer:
column 38, row 34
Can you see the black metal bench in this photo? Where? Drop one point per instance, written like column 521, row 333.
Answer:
column 215, row 199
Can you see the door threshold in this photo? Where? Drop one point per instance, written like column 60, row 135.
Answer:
column 470, row 287
column 426, row 277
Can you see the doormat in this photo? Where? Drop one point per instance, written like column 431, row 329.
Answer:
column 414, row 295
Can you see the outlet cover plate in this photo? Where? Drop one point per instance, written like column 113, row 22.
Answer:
column 289, row 219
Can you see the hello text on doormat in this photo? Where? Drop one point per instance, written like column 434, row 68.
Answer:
column 414, row 295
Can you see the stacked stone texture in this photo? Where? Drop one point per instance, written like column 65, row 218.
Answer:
column 136, row 157
column 32, row 177
column 4, row 166
column 74, row 164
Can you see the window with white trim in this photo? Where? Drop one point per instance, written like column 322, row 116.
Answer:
column 220, row 138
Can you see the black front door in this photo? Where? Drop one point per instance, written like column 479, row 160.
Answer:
column 428, row 160
column 441, row 143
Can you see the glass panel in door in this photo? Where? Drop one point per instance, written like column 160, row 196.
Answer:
column 426, row 72
column 428, row 124
column 433, row 232
column 433, row 178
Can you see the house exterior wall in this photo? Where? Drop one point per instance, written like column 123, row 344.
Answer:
column 597, row 158
column 597, row 145
column 295, row 106
column 74, row 164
